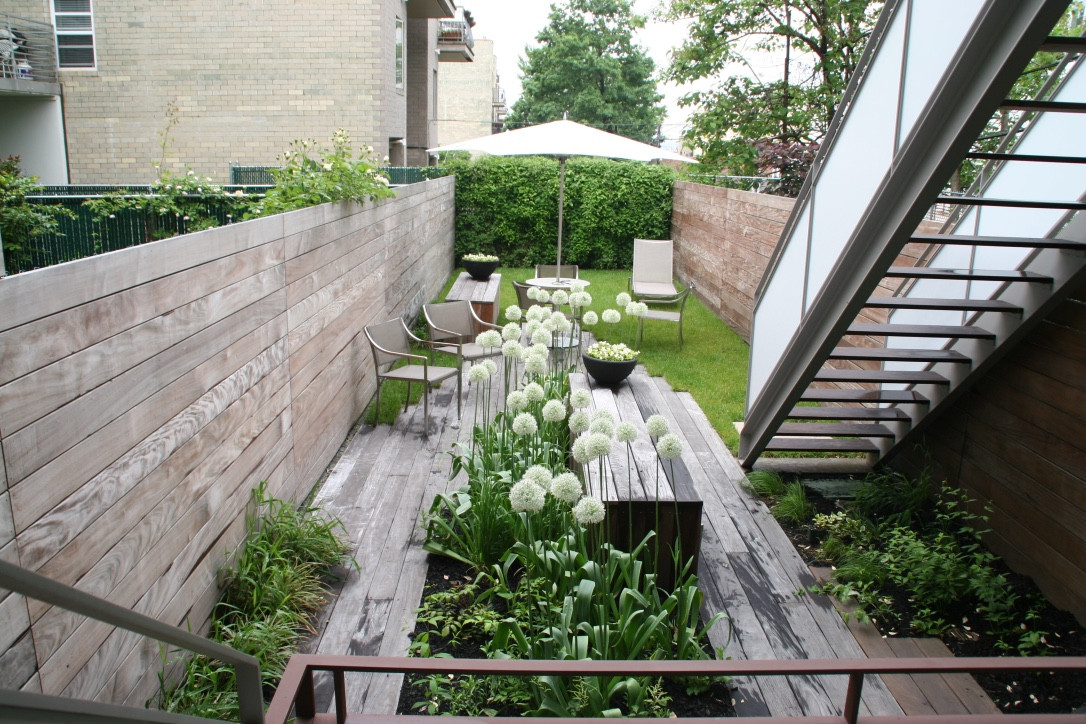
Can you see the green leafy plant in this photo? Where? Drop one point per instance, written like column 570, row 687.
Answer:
column 793, row 505
column 313, row 174
column 765, row 482
column 21, row 220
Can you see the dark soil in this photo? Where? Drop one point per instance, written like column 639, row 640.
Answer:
column 444, row 573
column 1012, row 693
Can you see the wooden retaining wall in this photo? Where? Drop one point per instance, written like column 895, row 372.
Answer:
column 145, row 392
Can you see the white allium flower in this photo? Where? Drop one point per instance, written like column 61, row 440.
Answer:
column 525, row 424
column 512, row 349
column 577, row 285
column 636, row 309
column 625, row 432
column 544, row 297
column 560, row 297
column 657, row 425
column 535, row 365
column 489, row 338
column 527, row 497
column 541, row 336
column 511, row 331
column 536, row 313
column 603, row 426
column 566, row 487
column 540, row 349
column 580, row 450
column 611, row 316
column 579, row 422
column 534, row 391
column 491, row 365
column 603, row 415
column 622, row 299
column 539, row 475
column 580, row 398
column 550, row 323
column 532, row 327
column 579, row 300
column 478, row 373
column 589, row 511
column 554, row 411
column 669, row 446
column 598, row 444
column 562, row 324
column 513, row 313
column 517, row 401
column 589, row 318
column 533, row 293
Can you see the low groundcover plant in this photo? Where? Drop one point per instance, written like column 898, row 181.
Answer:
column 609, row 352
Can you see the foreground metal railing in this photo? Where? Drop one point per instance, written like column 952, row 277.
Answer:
column 25, row 706
column 27, row 50
column 296, row 691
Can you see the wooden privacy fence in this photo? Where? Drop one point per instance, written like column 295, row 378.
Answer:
column 145, row 392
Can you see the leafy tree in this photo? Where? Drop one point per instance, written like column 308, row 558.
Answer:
column 786, row 115
column 589, row 66
column 21, row 220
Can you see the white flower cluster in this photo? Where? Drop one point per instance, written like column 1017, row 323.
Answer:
column 529, row 494
column 607, row 351
column 479, row 257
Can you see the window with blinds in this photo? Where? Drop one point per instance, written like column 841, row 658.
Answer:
column 74, row 24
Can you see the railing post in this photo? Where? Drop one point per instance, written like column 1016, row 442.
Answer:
column 340, row 685
column 852, row 697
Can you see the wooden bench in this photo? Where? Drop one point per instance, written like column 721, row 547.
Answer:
column 641, row 492
column 485, row 297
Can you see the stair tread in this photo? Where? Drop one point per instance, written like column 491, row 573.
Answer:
column 992, row 275
column 973, row 305
column 920, row 330
column 809, row 444
column 922, row 376
column 898, row 354
column 831, row 429
column 846, row 412
column 1014, row 241
column 838, row 395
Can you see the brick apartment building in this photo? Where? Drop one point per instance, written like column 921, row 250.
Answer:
column 95, row 87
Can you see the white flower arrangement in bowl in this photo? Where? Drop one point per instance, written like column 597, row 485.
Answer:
column 480, row 257
column 612, row 352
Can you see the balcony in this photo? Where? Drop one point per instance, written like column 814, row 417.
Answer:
column 454, row 42
column 28, row 59
column 431, row 8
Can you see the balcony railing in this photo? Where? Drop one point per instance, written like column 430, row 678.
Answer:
column 296, row 696
column 455, row 32
column 27, row 53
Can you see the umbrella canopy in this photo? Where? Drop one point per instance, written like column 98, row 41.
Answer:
column 562, row 139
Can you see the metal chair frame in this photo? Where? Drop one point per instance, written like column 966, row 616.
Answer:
column 453, row 328
column 665, row 315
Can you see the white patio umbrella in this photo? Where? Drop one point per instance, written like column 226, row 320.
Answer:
column 562, row 139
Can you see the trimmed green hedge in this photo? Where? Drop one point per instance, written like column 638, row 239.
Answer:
column 508, row 205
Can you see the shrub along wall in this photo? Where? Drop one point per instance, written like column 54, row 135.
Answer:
column 145, row 392
column 508, row 206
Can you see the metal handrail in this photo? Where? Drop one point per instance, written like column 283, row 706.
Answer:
column 20, row 704
column 455, row 32
column 33, row 56
column 296, row 691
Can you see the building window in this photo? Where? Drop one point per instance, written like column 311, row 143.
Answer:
column 75, row 33
column 399, row 53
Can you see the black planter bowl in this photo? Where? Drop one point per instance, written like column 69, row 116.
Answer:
column 607, row 373
column 479, row 270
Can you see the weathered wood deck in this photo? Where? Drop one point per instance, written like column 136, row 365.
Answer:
column 386, row 478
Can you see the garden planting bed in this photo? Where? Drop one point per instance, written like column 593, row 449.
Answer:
column 1054, row 632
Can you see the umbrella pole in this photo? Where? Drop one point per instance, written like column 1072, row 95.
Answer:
column 561, row 205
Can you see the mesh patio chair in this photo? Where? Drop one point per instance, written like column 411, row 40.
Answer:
column 550, row 271
column 453, row 328
column 523, row 301
column 665, row 315
column 652, row 269
column 390, row 342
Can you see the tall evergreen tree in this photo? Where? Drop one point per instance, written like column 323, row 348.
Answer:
column 588, row 66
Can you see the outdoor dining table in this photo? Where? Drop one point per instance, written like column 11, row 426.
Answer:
column 554, row 282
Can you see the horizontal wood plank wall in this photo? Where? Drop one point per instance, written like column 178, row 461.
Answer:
column 1015, row 442
column 146, row 392
column 723, row 241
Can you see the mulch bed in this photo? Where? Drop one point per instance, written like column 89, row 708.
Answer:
column 442, row 573
column 1012, row 693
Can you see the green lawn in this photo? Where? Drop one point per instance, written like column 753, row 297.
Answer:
column 711, row 365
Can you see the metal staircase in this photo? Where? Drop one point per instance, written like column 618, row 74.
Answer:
column 854, row 350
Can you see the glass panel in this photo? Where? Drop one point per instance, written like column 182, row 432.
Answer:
column 71, row 6
column 399, row 53
column 73, row 22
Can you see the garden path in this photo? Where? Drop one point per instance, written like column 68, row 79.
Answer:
column 386, row 477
